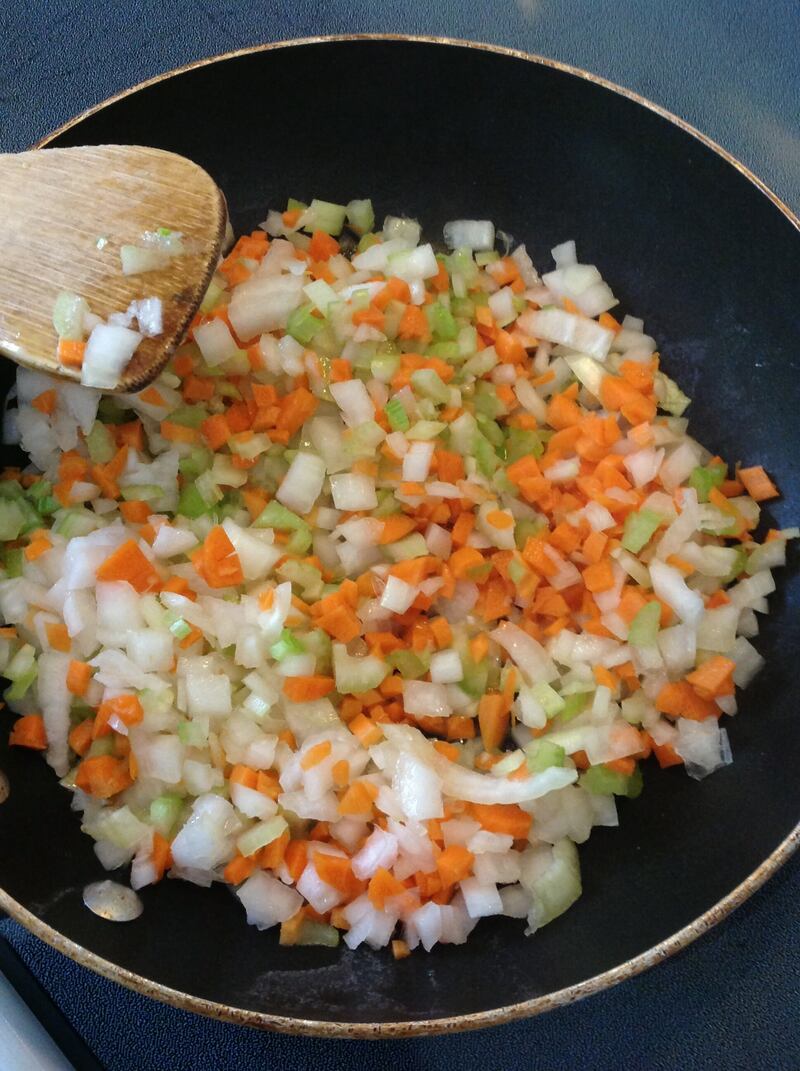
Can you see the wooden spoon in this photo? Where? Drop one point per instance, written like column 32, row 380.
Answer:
column 65, row 215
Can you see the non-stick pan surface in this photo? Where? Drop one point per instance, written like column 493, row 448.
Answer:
column 690, row 242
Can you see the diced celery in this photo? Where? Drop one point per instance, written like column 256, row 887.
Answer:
column 288, row 644
column 396, row 415
column 705, row 478
column 261, row 834
column 198, row 461
column 670, row 397
column 302, row 324
column 189, row 416
column 12, row 519
column 548, row 698
column 317, row 933
column 191, row 503
column 180, row 629
column 522, row 443
column 639, row 529
column 410, row 664
column 274, row 515
column 305, row 576
column 100, row 444
column 165, row 813
column 413, row 546
column 356, row 675
column 448, row 351
column 485, row 456
column 76, row 522
column 69, row 313
column 383, row 367
column 141, row 492
column 12, row 560
column 324, row 216
column 300, row 541
column 476, row 676
column 364, row 440
column 212, row 296
column 643, row 631
column 104, row 745
column 440, row 320
column 318, row 643
column 427, row 382
column 605, row 782
column 360, row 216
column 542, row 754
column 21, row 685
column 367, row 240
column 573, row 705
column 425, row 430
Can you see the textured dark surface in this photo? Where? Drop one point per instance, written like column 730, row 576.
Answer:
column 634, row 1019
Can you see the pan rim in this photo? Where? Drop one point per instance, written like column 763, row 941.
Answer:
column 506, row 1013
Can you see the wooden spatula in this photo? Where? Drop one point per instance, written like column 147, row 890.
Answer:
column 65, row 214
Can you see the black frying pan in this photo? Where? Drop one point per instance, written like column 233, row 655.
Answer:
column 691, row 242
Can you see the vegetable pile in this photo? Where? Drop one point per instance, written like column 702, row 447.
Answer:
column 377, row 599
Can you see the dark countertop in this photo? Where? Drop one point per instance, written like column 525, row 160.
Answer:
column 729, row 68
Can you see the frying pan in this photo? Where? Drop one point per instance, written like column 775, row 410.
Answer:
column 692, row 242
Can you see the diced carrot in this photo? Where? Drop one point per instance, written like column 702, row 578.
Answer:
column 599, row 577
column 217, row 562
column 713, row 678
column 239, row 869
column 81, row 736
column 58, row 637
column 103, row 776
column 506, row 818
column 78, row 676
column 317, row 754
column 666, row 755
column 464, row 560
column 454, row 864
column 384, row 886
column 70, row 352
column 322, row 246
column 135, row 511
column 37, row 547
column 680, row 700
column 400, row 949
column 126, row 708
column 336, row 871
column 296, row 857
column 414, row 324
column 29, row 731
column 396, row 527
column 493, row 719
column 177, row 433
column 45, row 402
column 216, row 430
column 304, row 689
column 358, row 798
column 129, row 563
column 274, row 853
column 757, row 484
column 624, row 766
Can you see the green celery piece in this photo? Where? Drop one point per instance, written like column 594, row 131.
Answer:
column 189, row 416
column 486, row 402
column 485, row 456
column 318, row 643
column 604, row 782
column 287, row 645
column 165, row 812
column 300, row 541
column 293, row 205
column 639, row 529
column 643, row 630
column 12, row 519
column 448, row 351
column 197, row 462
column 305, row 576
column 426, row 381
column 21, row 685
column 491, row 430
column 526, row 529
column 318, row 933
column 274, row 515
column 413, row 546
column 396, row 415
column 360, row 216
column 12, row 560
column 100, row 444
column 522, row 443
column 142, row 492
column 302, row 325
column 441, row 323
column 542, row 754
column 191, row 503
column 705, row 478
column 104, row 745
column 464, row 308
column 548, row 698
column 326, row 216
column 180, row 629
column 193, row 733
column 411, row 665
column 367, row 240
column 476, row 676
column 573, row 705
